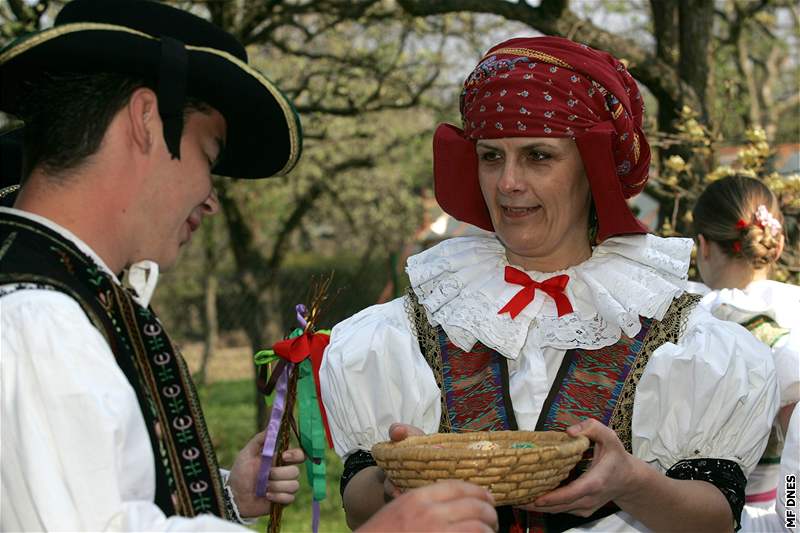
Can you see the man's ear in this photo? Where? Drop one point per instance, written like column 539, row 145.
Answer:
column 703, row 249
column 144, row 120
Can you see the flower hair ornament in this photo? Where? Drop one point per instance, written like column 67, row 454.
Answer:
column 766, row 221
column 761, row 218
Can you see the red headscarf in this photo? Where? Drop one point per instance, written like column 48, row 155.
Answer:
column 549, row 87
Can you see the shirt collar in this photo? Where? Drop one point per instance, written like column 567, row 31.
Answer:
column 142, row 276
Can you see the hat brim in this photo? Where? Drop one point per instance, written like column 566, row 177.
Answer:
column 455, row 172
column 263, row 130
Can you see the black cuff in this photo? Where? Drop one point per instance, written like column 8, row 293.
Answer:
column 354, row 464
column 726, row 475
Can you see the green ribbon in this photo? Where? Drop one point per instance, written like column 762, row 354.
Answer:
column 312, row 431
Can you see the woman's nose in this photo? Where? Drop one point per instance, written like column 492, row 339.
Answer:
column 510, row 181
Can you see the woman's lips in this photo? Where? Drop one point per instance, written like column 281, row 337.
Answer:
column 519, row 212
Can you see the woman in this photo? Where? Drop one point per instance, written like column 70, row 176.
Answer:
column 739, row 228
column 536, row 327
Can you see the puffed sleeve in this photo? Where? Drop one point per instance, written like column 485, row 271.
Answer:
column 711, row 396
column 372, row 375
column 786, row 354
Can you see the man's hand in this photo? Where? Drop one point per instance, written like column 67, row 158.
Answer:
column 450, row 505
column 283, row 480
column 612, row 474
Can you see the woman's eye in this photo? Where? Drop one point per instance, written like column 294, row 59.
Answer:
column 538, row 156
column 489, row 156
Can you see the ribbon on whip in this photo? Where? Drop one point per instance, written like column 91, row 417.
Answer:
column 283, row 370
column 553, row 287
column 308, row 346
column 302, row 352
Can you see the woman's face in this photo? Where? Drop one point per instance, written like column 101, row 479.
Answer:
column 538, row 198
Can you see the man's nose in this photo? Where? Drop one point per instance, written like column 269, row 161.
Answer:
column 211, row 203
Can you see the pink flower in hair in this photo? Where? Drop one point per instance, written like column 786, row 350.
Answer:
column 765, row 220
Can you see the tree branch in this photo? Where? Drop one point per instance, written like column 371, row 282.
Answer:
column 553, row 17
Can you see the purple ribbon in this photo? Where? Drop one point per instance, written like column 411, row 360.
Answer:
column 315, row 516
column 301, row 311
column 273, row 428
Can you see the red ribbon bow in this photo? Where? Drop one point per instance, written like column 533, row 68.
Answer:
column 554, row 287
column 297, row 350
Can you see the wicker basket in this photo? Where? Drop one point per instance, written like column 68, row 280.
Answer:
column 514, row 475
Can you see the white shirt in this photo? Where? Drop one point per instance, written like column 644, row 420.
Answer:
column 711, row 395
column 75, row 450
column 778, row 301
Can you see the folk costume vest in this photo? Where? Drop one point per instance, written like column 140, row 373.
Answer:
column 600, row 384
column 188, row 481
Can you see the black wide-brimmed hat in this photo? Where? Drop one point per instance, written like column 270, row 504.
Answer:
column 185, row 56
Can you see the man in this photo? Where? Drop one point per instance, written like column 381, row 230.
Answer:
column 128, row 105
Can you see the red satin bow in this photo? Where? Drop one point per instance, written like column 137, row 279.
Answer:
column 297, row 350
column 554, row 287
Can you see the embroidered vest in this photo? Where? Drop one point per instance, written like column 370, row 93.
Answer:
column 187, row 475
column 590, row 383
column 767, row 331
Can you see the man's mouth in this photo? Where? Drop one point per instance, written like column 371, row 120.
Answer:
column 194, row 223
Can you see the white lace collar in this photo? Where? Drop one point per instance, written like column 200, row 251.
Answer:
column 142, row 276
column 779, row 301
column 460, row 282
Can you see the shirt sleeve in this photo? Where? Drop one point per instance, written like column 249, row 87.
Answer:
column 76, row 453
column 712, row 395
column 786, row 353
column 372, row 375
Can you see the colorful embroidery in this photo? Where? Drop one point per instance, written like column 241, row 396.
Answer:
column 475, row 387
column 591, row 383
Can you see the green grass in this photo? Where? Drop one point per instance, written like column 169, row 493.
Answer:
column 229, row 408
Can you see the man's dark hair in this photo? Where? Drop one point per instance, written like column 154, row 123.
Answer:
column 66, row 116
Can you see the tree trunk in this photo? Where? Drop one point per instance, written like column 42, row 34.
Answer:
column 211, row 338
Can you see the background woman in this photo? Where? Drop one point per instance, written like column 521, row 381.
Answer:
column 739, row 229
column 569, row 316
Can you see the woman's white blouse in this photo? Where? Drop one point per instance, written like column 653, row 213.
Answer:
column 712, row 395
column 779, row 301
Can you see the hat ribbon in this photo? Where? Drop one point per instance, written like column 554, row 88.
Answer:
column 553, row 287
column 172, row 81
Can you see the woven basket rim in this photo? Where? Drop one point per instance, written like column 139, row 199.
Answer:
column 546, row 441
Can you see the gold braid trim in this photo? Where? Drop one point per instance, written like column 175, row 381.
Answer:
column 668, row 329
column 5, row 191
column 529, row 52
column 431, row 351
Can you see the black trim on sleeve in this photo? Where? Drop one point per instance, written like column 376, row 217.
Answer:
column 354, row 464
column 726, row 475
